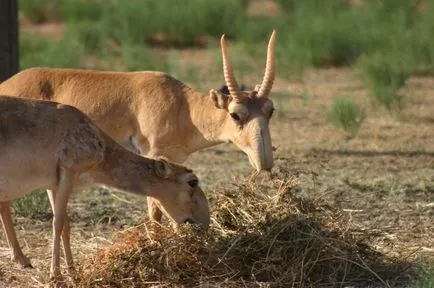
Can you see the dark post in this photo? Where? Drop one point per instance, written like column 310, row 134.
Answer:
column 8, row 38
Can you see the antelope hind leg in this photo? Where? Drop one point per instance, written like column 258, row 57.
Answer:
column 8, row 226
column 60, row 205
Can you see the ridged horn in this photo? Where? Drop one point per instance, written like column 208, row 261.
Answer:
column 270, row 68
column 230, row 80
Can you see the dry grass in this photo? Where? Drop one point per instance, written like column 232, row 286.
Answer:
column 382, row 180
column 262, row 235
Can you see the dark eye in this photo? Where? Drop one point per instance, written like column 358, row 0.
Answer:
column 193, row 183
column 235, row 117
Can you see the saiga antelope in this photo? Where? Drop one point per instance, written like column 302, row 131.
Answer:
column 154, row 114
column 55, row 146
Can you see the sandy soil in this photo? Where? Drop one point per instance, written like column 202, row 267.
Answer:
column 384, row 175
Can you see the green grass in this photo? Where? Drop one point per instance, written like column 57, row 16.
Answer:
column 136, row 58
column 424, row 42
column 73, row 52
column 384, row 74
column 82, row 10
column 39, row 11
column 325, row 39
column 114, row 33
column 426, row 278
column 133, row 21
column 310, row 33
column 346, row 114
column 32, row 205
column 88, row 34
column 334, row 34
column 39, row 51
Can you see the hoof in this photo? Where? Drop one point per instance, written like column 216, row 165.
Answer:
column 22, row 260
column 57, row 282
column 71, row 270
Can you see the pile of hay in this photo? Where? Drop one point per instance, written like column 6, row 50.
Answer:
column 261, row 235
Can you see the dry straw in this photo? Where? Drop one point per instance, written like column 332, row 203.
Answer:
column 262, row 235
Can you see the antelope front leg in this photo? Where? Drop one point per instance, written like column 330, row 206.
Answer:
column 60, row 205
column 142, row 146
column 65, row 234
column 8, row 226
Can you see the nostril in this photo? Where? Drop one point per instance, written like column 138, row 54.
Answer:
column 188, row 221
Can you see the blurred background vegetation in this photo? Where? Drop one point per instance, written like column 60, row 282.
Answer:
column 310, row 32
column 386, row 40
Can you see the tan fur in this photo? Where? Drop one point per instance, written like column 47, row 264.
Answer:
column 55, row 146
column 152, row 107
column 152, row 113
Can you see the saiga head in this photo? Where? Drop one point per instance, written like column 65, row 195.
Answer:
column 180, row 197
column 249, row 113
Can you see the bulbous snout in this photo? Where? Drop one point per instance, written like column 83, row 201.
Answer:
column 188, row 208
column 261, row 165
column 260, row 151
column 201, row 214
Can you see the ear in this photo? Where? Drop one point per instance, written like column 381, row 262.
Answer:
column 220, row 100
column 162, row 168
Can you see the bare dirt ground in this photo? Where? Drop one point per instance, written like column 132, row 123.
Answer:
column 384, row 175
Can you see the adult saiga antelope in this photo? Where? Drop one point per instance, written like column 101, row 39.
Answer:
column 55, row 146
column 154, row 114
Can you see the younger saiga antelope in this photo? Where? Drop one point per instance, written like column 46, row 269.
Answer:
column 156, row 115
column 55, row 146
